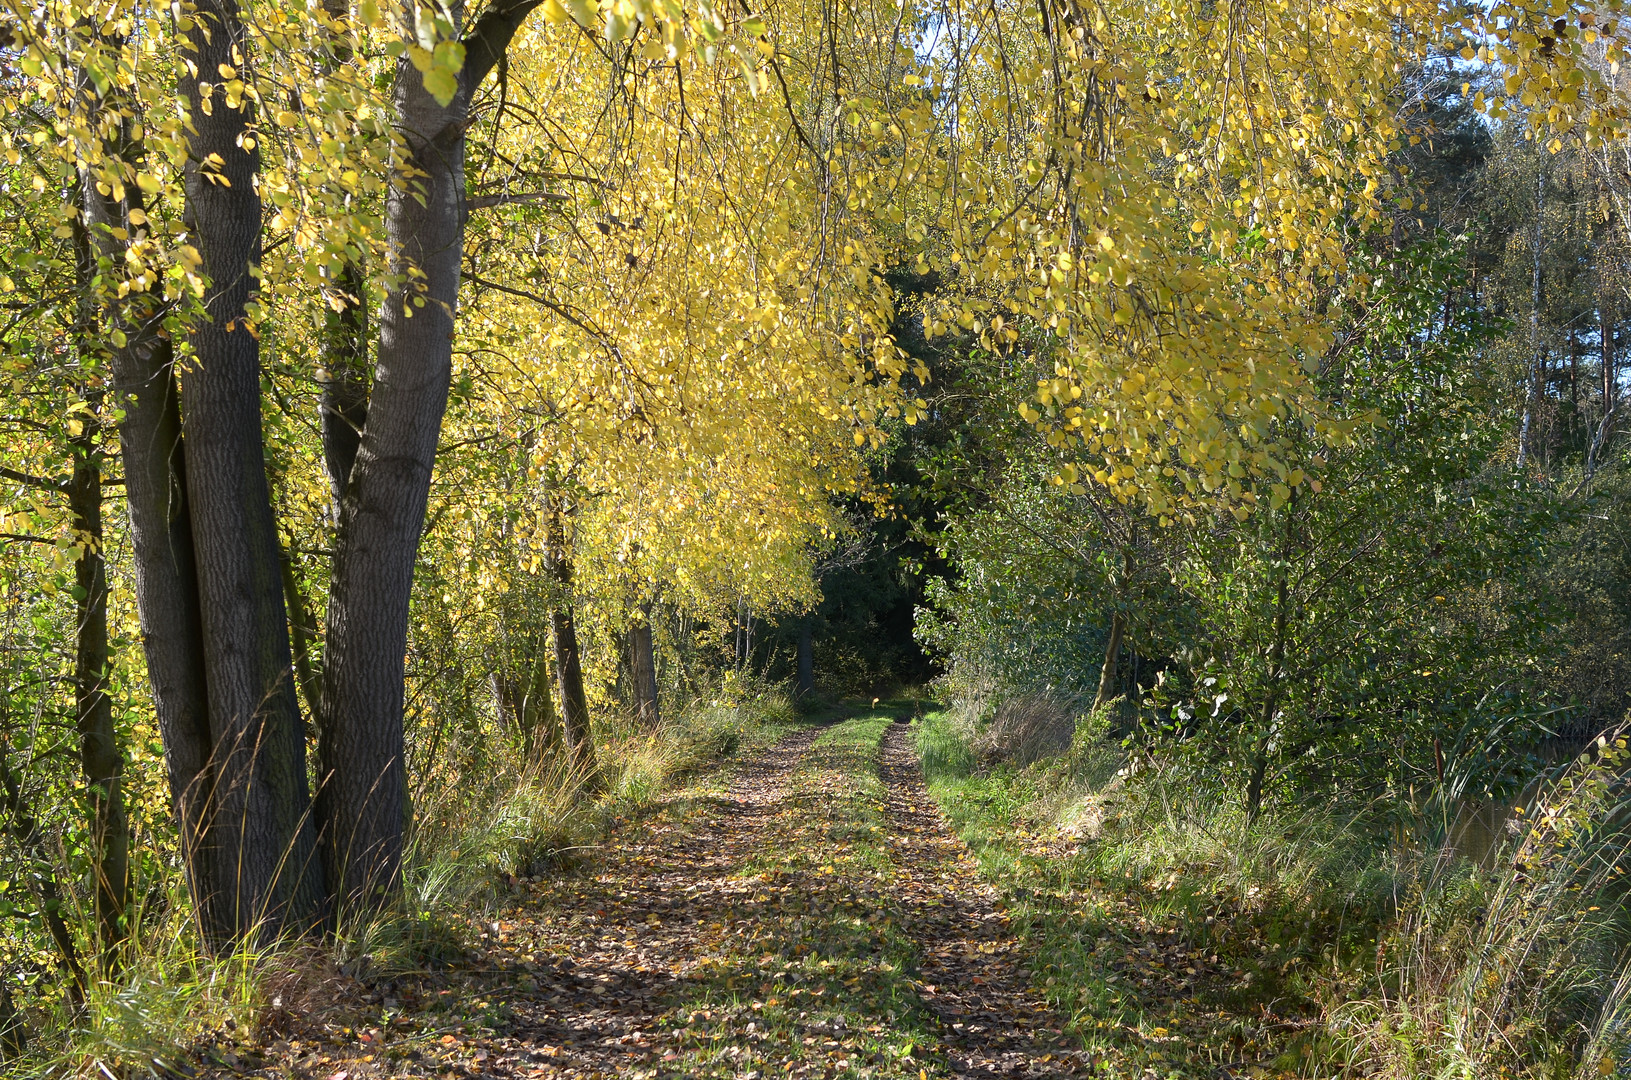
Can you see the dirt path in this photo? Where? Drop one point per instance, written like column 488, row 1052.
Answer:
column 972, row 967
column 817, row 920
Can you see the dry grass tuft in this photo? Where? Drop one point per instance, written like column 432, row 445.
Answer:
column 1025, row 728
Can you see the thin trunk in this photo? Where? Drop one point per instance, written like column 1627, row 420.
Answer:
column 159, row 515
column 504, row 703
column 345, row 334
column 806, row 683
column 1611, row 399
column 303, row 629
column 1532, row 374
column 580, row 742
column 1112, row 653
column 643, row 671
column 1118, row 630
column 25, row 829
column 261, row 802
column 101, row 760
column 100, row 757
column 1271, row 693
column 345, row 381
column 540, row 726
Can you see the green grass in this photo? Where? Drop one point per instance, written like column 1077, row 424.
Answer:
column 1178, row 938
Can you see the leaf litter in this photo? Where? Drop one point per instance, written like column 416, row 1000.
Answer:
column 818, row 918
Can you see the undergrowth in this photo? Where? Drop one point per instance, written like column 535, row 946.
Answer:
column 1176, row 936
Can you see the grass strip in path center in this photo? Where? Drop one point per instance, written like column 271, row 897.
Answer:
column 868, row 947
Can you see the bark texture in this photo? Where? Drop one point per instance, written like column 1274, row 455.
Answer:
column 160, row 521
column 268, row 878
column 580, row 743
column 363, row 793
column 100, row 757
column 575, row 723
column 345, row 381
column 167, row 603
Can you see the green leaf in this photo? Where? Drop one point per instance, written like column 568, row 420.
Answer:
column 441, row 84
column 449, row 55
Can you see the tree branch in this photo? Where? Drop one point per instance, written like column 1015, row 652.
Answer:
column 545, row 302
column 491, row 35
column 482, row 202
column 33, row 481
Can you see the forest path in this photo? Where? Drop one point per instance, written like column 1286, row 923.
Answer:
column 818, row 919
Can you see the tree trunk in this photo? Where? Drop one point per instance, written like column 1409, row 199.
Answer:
column 1112, row 655
column 1271, row 694
column 1537, row 355
column 580, row 741
column 345, row 333
column 362, row 797
column 523, row 700
column 363, row 793
column 167, row 605
column 541, row 728
column 806, row 659
column 643, row 670
column 1611, row 401
column 261, row 805
column 153, row 459
column 303, row 630
column 345, row 382
column 1118, row 630
column 100, row 758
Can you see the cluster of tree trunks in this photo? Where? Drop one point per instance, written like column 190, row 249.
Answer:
column 215, row 595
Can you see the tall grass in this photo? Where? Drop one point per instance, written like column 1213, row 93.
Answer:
column 1415, row 960
column 1521, row 969
column 167, row 992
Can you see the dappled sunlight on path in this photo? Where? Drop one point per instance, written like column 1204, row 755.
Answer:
column 816, row 919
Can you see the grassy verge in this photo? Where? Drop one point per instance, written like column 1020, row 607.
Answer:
column 1179, row 941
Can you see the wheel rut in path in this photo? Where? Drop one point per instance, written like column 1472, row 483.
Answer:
column 817, row 919
column 971, row 967
column 625, row 940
